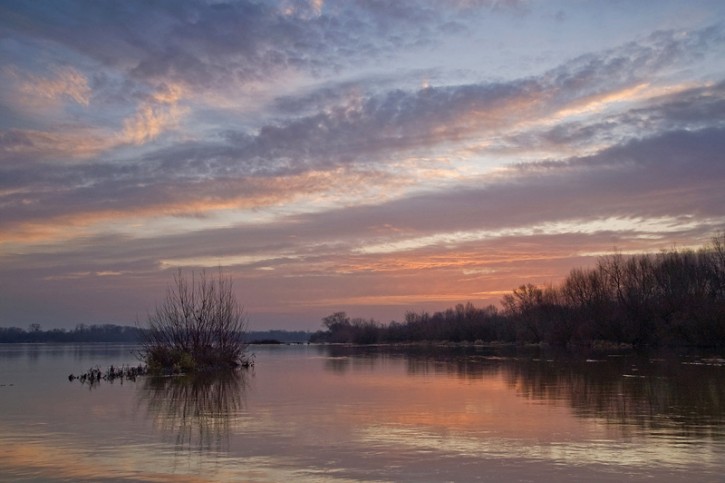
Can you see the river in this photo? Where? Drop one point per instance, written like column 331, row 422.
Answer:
column 333, row 413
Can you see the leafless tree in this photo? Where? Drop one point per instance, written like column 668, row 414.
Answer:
column 200, row 325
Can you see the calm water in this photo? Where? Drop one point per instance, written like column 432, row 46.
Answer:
column 308, row 413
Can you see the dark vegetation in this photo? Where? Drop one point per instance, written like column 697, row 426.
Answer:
column 82, row 333
column 199, row 326
column 280, row 336
column 122, row 333
column 673, row 298
column 265, row 342
column 95, row 375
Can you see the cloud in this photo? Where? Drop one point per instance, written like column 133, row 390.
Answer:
column 364, row 136
column 80, row 138
column 155, row 115
column 673, row 179
column 41, row 213
column 655, row 110
column 64, row 145
column 399, row 120
column 205, row 45
column 64, row 84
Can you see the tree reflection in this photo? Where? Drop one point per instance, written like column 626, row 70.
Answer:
column 196, row 410
column 632, row 391
column 343, row 358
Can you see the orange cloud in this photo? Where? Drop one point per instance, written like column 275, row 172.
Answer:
column 200, row 201
column 158, row 114
column 75, row 143
column 66, row 83
column 640, row 92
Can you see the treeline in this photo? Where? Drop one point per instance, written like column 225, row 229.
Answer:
column 672, row 298
column 281, row 336
column 81, row 333
column 122, row 333
column 459, row 324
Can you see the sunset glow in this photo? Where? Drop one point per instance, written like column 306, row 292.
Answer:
column 368, row 157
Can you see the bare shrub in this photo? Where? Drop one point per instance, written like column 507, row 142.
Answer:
column 199, row 326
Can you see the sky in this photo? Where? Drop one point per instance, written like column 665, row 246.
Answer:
column 368, row 156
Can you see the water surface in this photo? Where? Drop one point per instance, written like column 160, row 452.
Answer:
column 315, row 413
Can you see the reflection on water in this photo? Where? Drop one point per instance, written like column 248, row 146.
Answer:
column 683, row 394
column 195, row 410
column 632, row 392
column 90, row 352
column 334, row 413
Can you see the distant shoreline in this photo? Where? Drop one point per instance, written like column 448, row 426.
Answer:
column 109, row 333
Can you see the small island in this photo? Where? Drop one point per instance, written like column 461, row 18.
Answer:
column 199, row 327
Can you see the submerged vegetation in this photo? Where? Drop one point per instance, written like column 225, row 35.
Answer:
column 199, row 326
column 672, row 298
column 95, row 375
